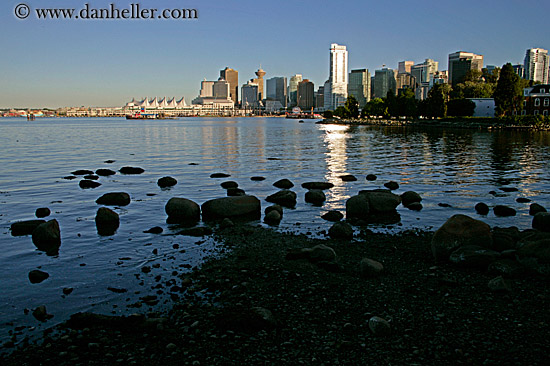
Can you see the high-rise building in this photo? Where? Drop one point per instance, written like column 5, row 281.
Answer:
column 460, row 63
column 404, row 67
column 405, row 81
column 359, row 86
column 338, row 77
column 423, row 73
column 306, row 95
column 259, row 80
column 384, row 81
column 207, row 89
column 520, row 70
column 320, row 98
column 536, row 65
column 276, row 89
column 249, row 95
column 232, row 77
column 293, row 89
column 221, row 89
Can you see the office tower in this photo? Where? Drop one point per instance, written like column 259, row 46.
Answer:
column 536, row 65
column 232, row 77
column 293, row 89
column 276, row 89
column 207, row 89
column 338, row 77
column 249, row 95
column 259, row 80
column 520, row 70
column 460, row 63
column 404, row 67
column 221, row 89
column 405, row 81
column 423, row 73
column 359, row 85
column 306, row 95
column 384, row 81
column 320, row 98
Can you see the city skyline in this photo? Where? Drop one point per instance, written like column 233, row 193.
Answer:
column 58, row 63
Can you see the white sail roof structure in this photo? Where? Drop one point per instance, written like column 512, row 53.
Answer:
column 157, row 103
column 181, row 103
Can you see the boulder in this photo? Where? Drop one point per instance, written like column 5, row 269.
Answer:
column 37, row 276
column 42, row 212
column 523, row 200
column 182, row 209
column 284, row 198
column 231, row 192
column 541, row 221
column 415, row 206
column 457, row 231
column 371, row 177
column 370, row 268
column 357, row 207
column 239, row 206
column 348, row 178
column 106, row 221
column 535, row 208
column 341, row 230
column 114, row 199
column 229, row 184
column 273, row 217
column 166, row 182
column 333, row 216
column 47, row 237
column 283, row 184
column 505, row 238
column 25, row 227
column 82, row 172
column 381, row 200
column 220, row 175
column 501, row 210
column 410, row 197
column 321, row 253
column 277, row 208
column 154, row 230
column 379, row 326
column 391, row 185
column 317, row 185
column 41, row 314
column 131, row 170
column 315, row 197
column 473, row 256
column 257, row 178
column 105, row 172
column 539, row 249
column 226, row 223
column 91, row 177
column 86, row 184
column 481, row 208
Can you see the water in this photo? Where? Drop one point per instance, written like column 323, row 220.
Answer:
column 455, row 167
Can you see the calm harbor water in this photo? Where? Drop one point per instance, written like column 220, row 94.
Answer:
column 454, row 167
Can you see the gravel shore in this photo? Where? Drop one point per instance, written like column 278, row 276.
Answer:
column 252, row 306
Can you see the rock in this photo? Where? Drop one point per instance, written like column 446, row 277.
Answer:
column 391, row 185
column 257, row 178
column 196, row 231
column 499, row 284
column 457, row 231
column 248, row 207
column 541, row 221
column 86, row 184
column 371, row 177
column 37, row 276
column 321, row 253
column 415, row 206
column 501, row 210
column 229, row 184
column 348, row 178
column 131, row 170
column 357, row 207
column 226, row 223
column 82, row 172
column 410, row 197
column 105, row 172
column 283, row 184
column 379, row 326
column 110, row 161
column 315, row 197
column 91, row 177
column 333, row 216
column 41, row 314
column 273, row 217
column 25, row 227
column 535, row 208
column 381, row 200
column 481, row 208
column 67, row 290
column 277, row 208
column 341, row 230
column 106, row 221
column 505, row 238
column 47, row 237
column 166, row 182
column 220, row 175
column 232, row 192
column 473, row 256
column 69, row 177
column 154, row 230
column 441, row 204
column 317, row 185
column 182, row 209
column 508, row 189
column 506, row 267
column 370, row 268
column 284, row 198
column 539, row 249
column 523, row 200
column 114, row 199
column 42, row 212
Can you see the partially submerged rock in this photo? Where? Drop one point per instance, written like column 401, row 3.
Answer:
column 131, row 170
column 248, row 207
column 107, row 221
column 47, row 237
column 284, row 198
column 181, row 209
column 25, row 227
column 166, row 182
column 283, row 184
column 114, row 199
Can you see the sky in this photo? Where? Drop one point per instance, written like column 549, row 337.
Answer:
column 47, row 63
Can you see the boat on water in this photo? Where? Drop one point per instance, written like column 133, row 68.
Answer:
column 139, row 115
column 304, row 116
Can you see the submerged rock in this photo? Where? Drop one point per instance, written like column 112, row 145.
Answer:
column 317, row 185
column 371, row 177
column 391, row 185
column 284, row 198
column 107, row 221
column 131, row 170
column 381, row 200
column 86, row 184
column 42, row 212
column 238, row 206
column 333, row 216
column 41, row 314
column 182, row 209
column 257, row 178
column 348, row 178
column 315, row 197
column 25, row 227
column 82, row 172
column 196, row 231
column 501, row 210
column 219, row 175
column 114, row 199
column 535, row 208
column 229, row 184
column 410, row 197
column 283, row 184
column 91, row 177
column 481, row 208
column 37, row 276
column 166, row 182
column 47, row 237
column 154, row 230
column 232, row 192
column 105, row 172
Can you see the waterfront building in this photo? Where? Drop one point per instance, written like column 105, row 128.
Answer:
column 249, row 95
column 537, row 100
column 232, row 77
column 536, row 64
column 338, row 77
column 384, row 81
column 207, row 89
column 276, row 90
column 405, row 81
column 326, row 94
column 460, row 63
column 320, row 98
column 359, row 86
column 221, row 89
column 154, row 103
column 306, row 95
column 404, row 67
column 259, row 81
column 293, row 89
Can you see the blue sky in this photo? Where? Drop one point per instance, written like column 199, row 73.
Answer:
column 54, row 63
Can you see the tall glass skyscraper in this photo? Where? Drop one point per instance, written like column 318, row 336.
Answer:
column 536, row 65
column 359, row 85
column 338, row 76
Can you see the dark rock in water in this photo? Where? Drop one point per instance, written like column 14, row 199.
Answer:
column 369, row 268
column 501, row 210
column 535, row 208
column 47, row 237
column 244, row 320
column 315, row 197
column 154, row 230
column 357, row 207
column 229, row 184
column 506, row 267
column 219, row 175
column 283, row 184
column 42, row 212
column 257, row 178
column 508, row 189
column 25, row 227
column 231, row 192
column 473, row 256
column 106, row 221
column 70, row 177
column 41, row 314
column 415, row 206
column 348, row 178
column 391, row 185
column 117, row 290
column 523, row 200
column 371, row 177
column 333, row 216
column 193, row 164
column 82, row 172
column 444, row 205
column 317, row 185
column 481, row 208
column 284, row 198
column 109, row 161
column 182, row 209
column 131, row 170
column 541, row 221
column 226, row 223
column 272, row 217
column 380, row 327
column 37, row 276
column 166, row 182
column 277, row 208
column 457, row 231
column 105, row 172
column 246, row 207
column 86, row 183
column 410, row 197
column 381, row 200
column 341, row 230
column 196, row 231
column 67, row 290
column 91, row 177
column 114, row 199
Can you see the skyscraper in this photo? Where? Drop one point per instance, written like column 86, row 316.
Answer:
column 276, row 89
column 306, row 94
column 259, row 80
column 293, row 89
column 384, row 81
column 232, row 77
column 423, row 77
column 249, row 93
column 221, row 89
column 338, row 76
column 404, row 67
column 460, row 63
column 536, row 65
column 359, row 85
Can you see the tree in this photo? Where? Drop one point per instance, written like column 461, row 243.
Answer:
column 352, row 107
column 341, row 112
column 436, row 103
column 461, row 107
column 374, row 108
column 508, row 93
column 473, row 75
column 392, row 105
column 407, row 104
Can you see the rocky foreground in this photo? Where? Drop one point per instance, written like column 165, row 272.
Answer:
column 281, row 299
